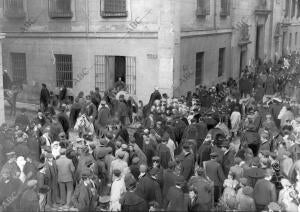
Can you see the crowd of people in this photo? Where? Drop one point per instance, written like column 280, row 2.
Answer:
column 234, row 146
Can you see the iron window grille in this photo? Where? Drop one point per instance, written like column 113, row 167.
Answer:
column 114, row 8
column 225, row 8
column 14, row 8
column 287, row 8
column 64, row 70
column 60, row 9
column 221, row 62
column 203, row 8
column 18, row 64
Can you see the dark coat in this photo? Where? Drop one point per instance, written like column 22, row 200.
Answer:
column 194, row 206
column 64, row 121
column 29, row 201
column 63, row 93
column 187, row 166
column 204, row 188
column 169, row 179
column 228, row 161
column 148, row 188
column 74, row 113
column 175, row 200
column 264, row 192
column 45, row 96
column 103, row 118
column 164, row 154
column 179, row 128
column 6, row 81
column 204, row 153
column 253, row 175
column 215, row 172
column 83, row 198
column 154, row 96
column 131, row 202
column 52, row 172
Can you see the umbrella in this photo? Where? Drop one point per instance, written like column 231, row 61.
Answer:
column 125, row 93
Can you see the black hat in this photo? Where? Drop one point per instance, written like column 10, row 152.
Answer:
column 213, row 154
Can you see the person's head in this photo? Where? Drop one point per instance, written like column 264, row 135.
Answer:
column 117, row 173
column 155, row 161
column 44, row 85
column 143, row 168
column 200, row 172
column 186, row 148
column 269, row 173
column 193, row 193
column 119, row 79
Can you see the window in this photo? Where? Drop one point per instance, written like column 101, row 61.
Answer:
column 199, row 67
column 296, row 39
column 18, row 65
column 290, row 42
column 64, row 70
column 14, row 8
column 109, row 68
column 298, row 9
column 60, row 9
column 224, row 8
column 287, row 8
column 293, row 8
column 221, row 62
column 203, row 7
column 114, row 8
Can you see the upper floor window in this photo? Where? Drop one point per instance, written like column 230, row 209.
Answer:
column 60, row 9
column 203, row 7
column 114, row 8
column 298, row 9
column 14, row 8
column 293, row 8
column 225, row 9
column 287, row 8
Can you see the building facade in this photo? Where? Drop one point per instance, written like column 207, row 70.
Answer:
column 172, row 44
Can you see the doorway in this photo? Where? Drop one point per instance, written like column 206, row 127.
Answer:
column 259, row 48
column 120, row 68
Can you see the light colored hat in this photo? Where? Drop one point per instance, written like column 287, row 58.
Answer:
column 285, row 182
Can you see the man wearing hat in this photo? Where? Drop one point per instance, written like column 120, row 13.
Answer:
column 85, row 196
column 204, row 188
column 175, row 196
column 119, row 164
column 29, row 200
column 164, row 152
column 52, row 173
column 103, row 119
column 44, row 97
column 228, row 157
column 264, row 191
column 187, row 164
column 66, row 170
column 43, row 186
column 131, row 200
column 117, row 189
column 149, row 188
column 255, row 172
column 215, row 173
column 246, row 202
column 63, row 119
column 154, row 96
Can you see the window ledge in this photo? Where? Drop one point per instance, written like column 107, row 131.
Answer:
column 106, row 14
column 15, row 14
column 202, row 12
column 54, row 15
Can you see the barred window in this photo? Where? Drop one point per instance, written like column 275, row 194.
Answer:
column 203, row 7
column 14, row 8
column 114, row 8
column 60, row 9
column 64, row 70
column 221, row 62
column 287, row 8
column 225, row 10
column 293, row 8
column 18, row 64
